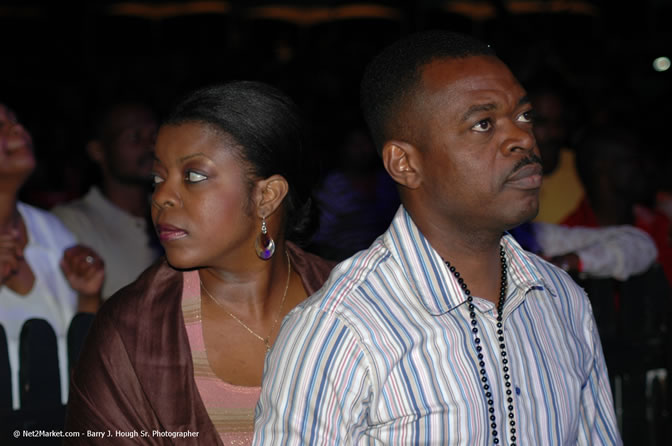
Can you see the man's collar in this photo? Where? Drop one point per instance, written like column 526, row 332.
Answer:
column 438, row 290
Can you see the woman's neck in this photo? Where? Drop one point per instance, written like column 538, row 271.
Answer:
column 252, row 290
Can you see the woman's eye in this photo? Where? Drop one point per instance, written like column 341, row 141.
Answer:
column 527, row 116
column 482, row 126
column 194, row 177
column 156, row 179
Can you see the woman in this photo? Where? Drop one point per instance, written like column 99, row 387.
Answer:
column 42, row 275
column 181, row 350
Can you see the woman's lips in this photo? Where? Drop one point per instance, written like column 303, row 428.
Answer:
column 527, row 177
column 169, row 233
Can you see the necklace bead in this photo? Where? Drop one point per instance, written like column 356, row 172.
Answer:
column 502, row 346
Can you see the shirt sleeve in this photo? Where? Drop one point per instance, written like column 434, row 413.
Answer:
column 598, row 420
column 316, row 387
column 616, row 252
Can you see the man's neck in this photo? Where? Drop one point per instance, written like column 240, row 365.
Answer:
column 474, row 253
column 130, row 198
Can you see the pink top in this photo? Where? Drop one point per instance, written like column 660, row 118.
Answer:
column 231, row 407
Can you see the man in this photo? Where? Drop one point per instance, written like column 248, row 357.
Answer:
column 406, row 343
column 562, row 190
column 113, row 219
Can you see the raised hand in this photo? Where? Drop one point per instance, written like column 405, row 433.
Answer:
column 15, row 273
column 85, row 272
column 11, row 255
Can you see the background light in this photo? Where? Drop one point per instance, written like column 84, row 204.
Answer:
column 661, row 64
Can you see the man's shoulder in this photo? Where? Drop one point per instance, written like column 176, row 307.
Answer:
column 349, row 280
column 85, row 213
column 78, row 208
column 557, row 280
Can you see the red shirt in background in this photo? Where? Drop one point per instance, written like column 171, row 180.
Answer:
column 653, row 222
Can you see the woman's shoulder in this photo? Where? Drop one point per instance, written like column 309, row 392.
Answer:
column 313, row 269
column 155, row 294
column 45, row 228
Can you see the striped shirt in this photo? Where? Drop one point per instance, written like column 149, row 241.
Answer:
column 384, row 354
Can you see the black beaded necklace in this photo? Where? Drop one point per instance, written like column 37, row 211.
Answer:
column 479, row 348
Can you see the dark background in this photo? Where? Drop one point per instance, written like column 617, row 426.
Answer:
column 58, row 61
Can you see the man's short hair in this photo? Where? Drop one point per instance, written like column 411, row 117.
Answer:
column 392, row 77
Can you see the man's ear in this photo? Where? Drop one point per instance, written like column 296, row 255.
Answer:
column 96, row 152
column 402, row 162
column 269, row 193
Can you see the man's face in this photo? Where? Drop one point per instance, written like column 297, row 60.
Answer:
column 479, row 161
column 130, row 144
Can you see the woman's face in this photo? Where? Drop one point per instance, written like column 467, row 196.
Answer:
column 16, row 151
column 201, row 204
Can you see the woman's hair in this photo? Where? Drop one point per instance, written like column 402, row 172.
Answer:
column 268, row 130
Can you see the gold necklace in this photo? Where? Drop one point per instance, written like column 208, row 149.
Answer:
column 265, row 340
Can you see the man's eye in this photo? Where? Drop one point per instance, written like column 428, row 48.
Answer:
column 527, row 116
column 194, row 177
column 482, row 126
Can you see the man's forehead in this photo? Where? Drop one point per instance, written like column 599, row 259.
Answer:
column 473, row 81
column 447, row 72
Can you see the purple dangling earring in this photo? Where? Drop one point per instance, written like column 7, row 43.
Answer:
column 264, row 244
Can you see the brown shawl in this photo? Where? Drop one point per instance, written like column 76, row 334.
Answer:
column 135, row 372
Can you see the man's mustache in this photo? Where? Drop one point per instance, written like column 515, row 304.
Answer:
column 533, row 158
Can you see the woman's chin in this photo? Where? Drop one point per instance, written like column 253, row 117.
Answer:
column 179, row 262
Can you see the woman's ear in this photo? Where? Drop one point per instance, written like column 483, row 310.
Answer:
column 269, row 193
column 402, row 162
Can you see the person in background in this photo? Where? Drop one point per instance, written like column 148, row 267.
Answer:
column 444, row 331
column 664, row 189
column 611, row 163
column 114, row 218
column 182, row 348
column 616, row 252
column 43, row 273
column 633, row 315
column 561, row 190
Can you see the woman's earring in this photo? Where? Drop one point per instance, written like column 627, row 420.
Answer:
column 264, row 244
